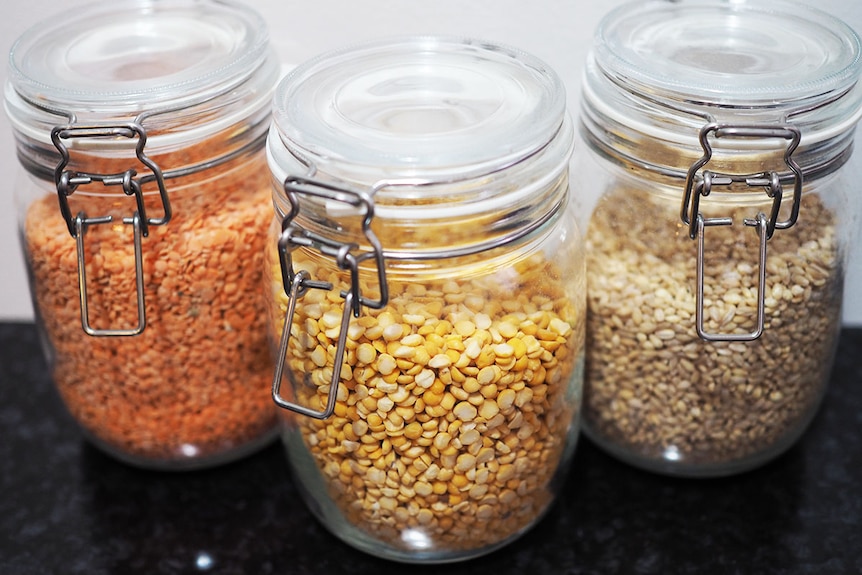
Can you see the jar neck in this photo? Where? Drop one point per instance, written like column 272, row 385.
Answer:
column 179, row 141
column 432, row 218
column 661, row 135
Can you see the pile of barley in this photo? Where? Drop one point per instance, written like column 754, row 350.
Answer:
column 654, row 389
column 455, row 407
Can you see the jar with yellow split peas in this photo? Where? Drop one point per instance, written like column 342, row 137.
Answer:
column 143, row 203
column 427, row 293
column 720, row 138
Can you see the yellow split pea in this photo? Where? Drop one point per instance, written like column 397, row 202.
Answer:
column 455, row 404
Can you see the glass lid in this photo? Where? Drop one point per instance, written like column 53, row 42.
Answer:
column 720, row 51
column 418, row 107
column 137, row 55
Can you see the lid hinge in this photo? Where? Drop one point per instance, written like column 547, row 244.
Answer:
column 68, row 181
column 699, row 184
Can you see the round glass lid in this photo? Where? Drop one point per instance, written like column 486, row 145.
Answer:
column 139, row 54
column 728, row 51
column 416, row 106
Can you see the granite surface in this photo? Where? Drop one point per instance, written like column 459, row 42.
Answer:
column 65, row 508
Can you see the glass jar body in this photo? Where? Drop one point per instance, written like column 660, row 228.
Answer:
column 658, row 395
column 191, row 390
column 143, row 203
column 719, row 242
column 458, row 401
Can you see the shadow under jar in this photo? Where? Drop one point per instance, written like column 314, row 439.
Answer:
column 720, row 138
column 426, row 262
column 143, row 204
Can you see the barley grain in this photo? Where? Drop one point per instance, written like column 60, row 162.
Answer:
column 652, row 383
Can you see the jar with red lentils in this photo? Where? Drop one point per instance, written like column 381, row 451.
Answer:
column 427, row 293
column 720, row 150
column 143, row 200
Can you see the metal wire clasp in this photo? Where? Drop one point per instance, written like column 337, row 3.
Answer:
column 67, row 181
column 347, row 256
column 700, row 184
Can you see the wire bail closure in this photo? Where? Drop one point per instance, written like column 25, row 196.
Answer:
column 67, row 182
column 700, row 184
column 297, row 283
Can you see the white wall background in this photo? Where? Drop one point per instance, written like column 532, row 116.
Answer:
column 558, row 31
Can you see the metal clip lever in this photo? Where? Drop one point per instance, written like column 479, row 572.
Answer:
column 297, row 288
column 81, row 225
column 762, row 225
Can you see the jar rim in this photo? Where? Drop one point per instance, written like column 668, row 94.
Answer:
column 436, row 108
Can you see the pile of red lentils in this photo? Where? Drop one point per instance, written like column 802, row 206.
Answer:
column 194, row 387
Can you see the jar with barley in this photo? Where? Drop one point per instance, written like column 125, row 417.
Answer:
column 720, row 141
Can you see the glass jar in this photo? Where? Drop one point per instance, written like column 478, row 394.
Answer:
column 143, row 205
column 720, row 135
column 426, row 258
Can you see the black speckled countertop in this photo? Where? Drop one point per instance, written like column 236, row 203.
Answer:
column 65, row 508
